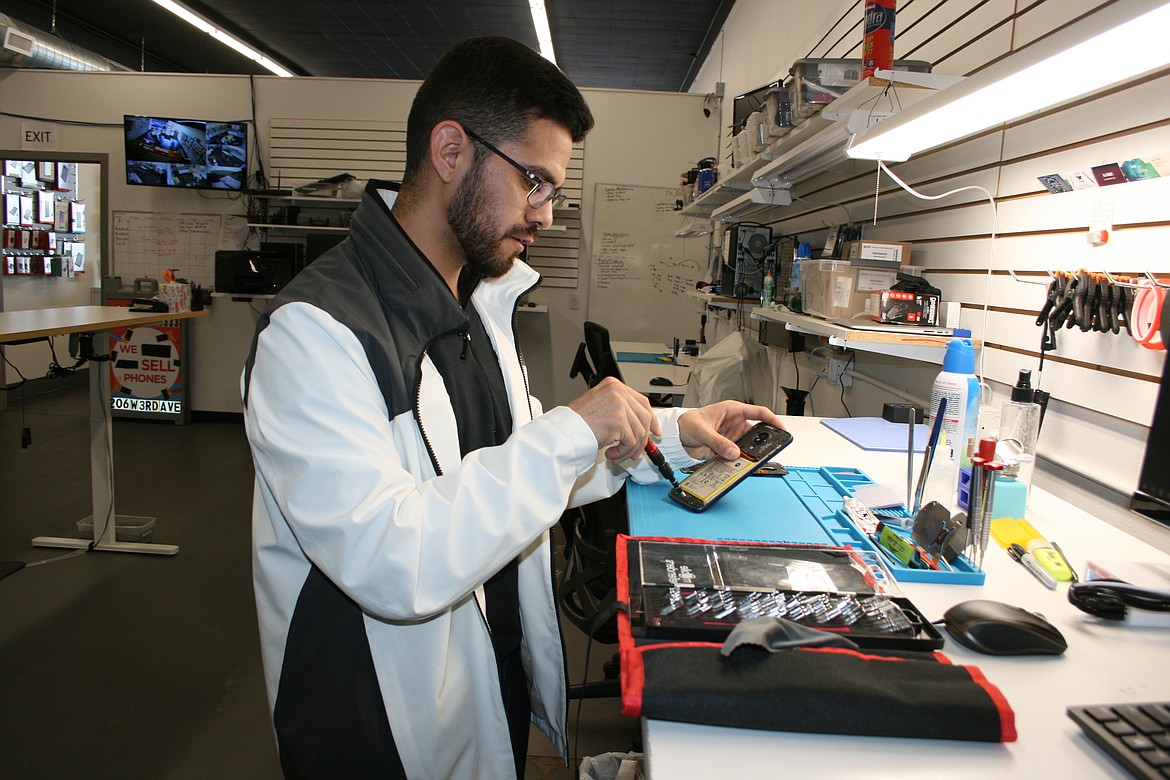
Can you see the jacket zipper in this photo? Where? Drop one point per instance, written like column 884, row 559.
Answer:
column 524, row 371
column 461, row 332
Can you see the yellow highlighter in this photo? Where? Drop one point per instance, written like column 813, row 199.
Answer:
column 1015, row 530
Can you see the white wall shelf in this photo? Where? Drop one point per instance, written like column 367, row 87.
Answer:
column 923, row 347
column 815, row 146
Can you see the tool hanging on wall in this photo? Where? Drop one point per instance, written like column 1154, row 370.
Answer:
column 1089, row 301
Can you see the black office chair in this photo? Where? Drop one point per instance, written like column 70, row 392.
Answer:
column 596, row 360
column 600, row 352
column 587, row 587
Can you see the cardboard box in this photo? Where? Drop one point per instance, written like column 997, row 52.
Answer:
column 893, row 252
column 905, row 308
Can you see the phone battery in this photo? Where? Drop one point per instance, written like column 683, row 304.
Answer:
column 715, row 476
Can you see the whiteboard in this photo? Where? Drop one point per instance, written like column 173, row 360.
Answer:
column 146, row 244
column 640, row 272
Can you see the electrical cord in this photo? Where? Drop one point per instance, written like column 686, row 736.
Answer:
column 991, row 254
column 14, row 385
column 1113, row 599
column 840, row 381
column 56, row 370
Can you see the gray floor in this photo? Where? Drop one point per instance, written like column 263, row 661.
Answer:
column 126, row 666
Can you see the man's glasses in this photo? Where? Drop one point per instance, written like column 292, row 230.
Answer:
column 542, row 191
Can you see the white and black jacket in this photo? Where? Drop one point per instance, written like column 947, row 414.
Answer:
column 373, row 538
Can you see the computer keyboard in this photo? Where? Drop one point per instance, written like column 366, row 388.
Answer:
column 1137, row 736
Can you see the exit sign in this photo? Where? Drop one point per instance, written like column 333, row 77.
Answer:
column 38, row 137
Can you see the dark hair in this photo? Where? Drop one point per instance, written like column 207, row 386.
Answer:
column 496, row 86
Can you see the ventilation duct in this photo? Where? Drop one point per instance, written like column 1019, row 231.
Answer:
column 23, row 46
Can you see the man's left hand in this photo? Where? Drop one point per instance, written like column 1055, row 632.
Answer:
column 714, row 428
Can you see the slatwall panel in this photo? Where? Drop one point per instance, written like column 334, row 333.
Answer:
column 306, row 150
column 1100, row 376
column 301, row 151
column 556, row 253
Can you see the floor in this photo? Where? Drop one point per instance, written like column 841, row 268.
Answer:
column 126, row 666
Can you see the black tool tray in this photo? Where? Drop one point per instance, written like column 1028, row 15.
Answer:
column 803, row 507
column 672, row 596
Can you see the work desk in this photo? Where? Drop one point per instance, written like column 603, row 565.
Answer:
column 1103, row 664
column 638, row 374
column 21, row 325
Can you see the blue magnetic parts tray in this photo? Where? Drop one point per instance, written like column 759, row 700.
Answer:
column 804, row 507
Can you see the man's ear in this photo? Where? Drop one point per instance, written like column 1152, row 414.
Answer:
column 451, row 149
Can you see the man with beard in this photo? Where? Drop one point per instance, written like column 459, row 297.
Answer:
column 406, row 480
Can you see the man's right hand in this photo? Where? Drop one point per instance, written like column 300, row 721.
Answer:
column 620, row 418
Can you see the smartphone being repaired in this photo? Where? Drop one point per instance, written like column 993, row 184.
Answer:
column 715, row 477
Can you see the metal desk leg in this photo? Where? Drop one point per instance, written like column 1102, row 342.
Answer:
column 101, row 456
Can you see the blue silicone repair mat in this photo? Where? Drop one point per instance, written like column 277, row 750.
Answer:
column 645, row 357
column 803, row 507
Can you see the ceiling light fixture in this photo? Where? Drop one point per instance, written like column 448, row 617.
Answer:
column 1031, row 80
column 203, row 25
column 543, row 33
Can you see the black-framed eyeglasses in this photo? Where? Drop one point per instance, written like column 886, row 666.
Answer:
column 542, row 191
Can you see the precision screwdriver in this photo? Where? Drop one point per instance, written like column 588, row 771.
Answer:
column 657, row 458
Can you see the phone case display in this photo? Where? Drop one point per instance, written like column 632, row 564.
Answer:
column 66, row 177
column 77, row 216
column 46, row 207
column 43, row 219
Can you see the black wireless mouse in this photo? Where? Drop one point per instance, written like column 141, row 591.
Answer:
column 995, row 628
column 661, row 380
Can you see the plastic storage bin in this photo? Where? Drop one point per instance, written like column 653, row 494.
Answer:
column 817, row 82
column 130, row 528
column 836, row 289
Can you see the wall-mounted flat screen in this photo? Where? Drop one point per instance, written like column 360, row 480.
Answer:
column 199, row 154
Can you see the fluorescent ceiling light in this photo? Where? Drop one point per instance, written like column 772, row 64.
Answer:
column 203, row 25
column 1029, row 81
column 543, row 33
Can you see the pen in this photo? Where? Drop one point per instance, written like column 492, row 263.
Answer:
column 1023, row 557
column 659, row 461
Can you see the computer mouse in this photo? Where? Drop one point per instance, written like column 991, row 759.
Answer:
column 995, row 628
column 661, row 380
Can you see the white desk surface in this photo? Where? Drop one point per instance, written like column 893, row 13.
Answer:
column 1103, row 664
column 638, row 376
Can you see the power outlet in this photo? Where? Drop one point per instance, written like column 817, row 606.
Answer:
column 834, row 370
column 574, row 301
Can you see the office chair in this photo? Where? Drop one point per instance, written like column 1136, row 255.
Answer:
column 600, row 352
column 587, row 587
column 596, row 360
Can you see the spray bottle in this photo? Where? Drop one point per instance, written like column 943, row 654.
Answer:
column 959, row 385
